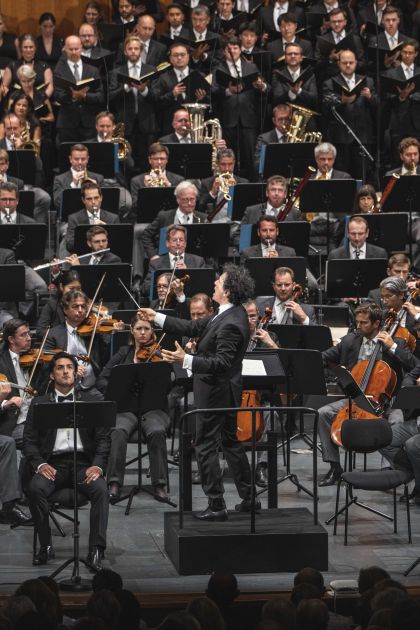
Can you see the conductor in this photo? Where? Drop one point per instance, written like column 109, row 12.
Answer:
column 216, row 370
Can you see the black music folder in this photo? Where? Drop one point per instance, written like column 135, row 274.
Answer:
column 224, row 78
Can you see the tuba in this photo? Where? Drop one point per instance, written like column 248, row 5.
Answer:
column 300, row 119
column 26, row 143
column 208, row 131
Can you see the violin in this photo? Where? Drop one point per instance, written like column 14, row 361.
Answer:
column 37, row 355
column 150, row 353
column 103, row 327
column 27, row 389
column 171, row 293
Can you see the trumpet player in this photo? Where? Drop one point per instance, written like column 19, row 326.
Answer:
column 215, row 188
column 409, row 149
column 157, row 176
column 75, row 176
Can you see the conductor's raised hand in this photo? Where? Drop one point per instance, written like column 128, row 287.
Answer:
column 147, row 314
column 176, row 356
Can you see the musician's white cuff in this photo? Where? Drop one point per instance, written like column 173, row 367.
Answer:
column 393, row 348
column 305, row 321
column 160, row 319
column 181, row 298
column 187, row 363
column 417, row 317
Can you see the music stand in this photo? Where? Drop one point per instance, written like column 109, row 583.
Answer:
column 192, row 161
column 150, row 201
column 103, row 157
column 12, row 283
column 201, row 281
column 388, row 230
column 262, row 270
column 22, row 164
column 291, row 234
column 243, row 195
column 305, row 337
column 26, row 203
column 290, row 159
column 138, row 388
column 71, row 201
column 120, row 240
column 79, row 414
column 353, row 278
column 404, row 197
column 27, row 240
column 111, row 290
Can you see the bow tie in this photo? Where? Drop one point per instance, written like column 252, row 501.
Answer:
column 63, row 398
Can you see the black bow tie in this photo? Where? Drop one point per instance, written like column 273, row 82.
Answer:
column 63, row 398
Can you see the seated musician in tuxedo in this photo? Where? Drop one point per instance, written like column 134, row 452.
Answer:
column 176, row 243
column 49, row 453
column 154, row 425
column 157, row 176
column 358, row 110
column 211, row 193
column 282, row 117
column 9, row 199
column 286, row 308
column 76, row 175
column 354, row 347
column 399, row 266
column 97, row 240
column 268, row 232
column 181, row 125
column 285, row 89
column 409, row 150
column 170, row 294
column 396, row 299
column 276, row 193
column 186, row 195
column 357, row 247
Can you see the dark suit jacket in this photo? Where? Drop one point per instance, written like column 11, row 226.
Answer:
column 255, row 251
column 63, row 181
column 372, row 251
column 307, row 308
column 74, row 114
column 106, row 259
column 252, row 214
column 151, row 234
column 269, row 137
column 169, row 139
column 156, row 53
column 138, row 182
column 191, row 260
column 20, row 218
column 38, row 444
column 16, row 181
column 205, row 199
column 336, row 175
column 217, row 366
column 330, row 69
column 81, row 218
column 280, row 90
column 276, row 47
column 266, row 19
column 404, row 115
column 57, row 338
column 7, row 257
column 51, row 314
column 123, row 103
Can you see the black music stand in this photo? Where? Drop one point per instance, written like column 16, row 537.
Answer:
column 208, row 240
column 111, row 290
column 138, row 388
column 79, row 414
column 243, row 195
column 332, row 196
column 22, row 164
column 103, row 157
column 201, row 281
column 192, row 161
column 120, row 240
column 71, row 201
column 12, row 283
column 150, row 201
column 262, row 270
column 388, row 230
column 304, row 337
column 27, row 240
column 353, row 278
column 291, row 234
column 26, row 203
column 404, row 197
column 290, row 159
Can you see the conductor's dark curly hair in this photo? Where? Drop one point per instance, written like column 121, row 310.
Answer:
column 238, row 283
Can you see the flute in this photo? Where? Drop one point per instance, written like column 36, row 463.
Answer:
column 64, row 260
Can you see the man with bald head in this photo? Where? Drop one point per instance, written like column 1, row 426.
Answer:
column 78, row 107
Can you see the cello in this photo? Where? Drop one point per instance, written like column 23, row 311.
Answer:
column 376, row 379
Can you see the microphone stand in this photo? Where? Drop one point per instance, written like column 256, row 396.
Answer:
column 363, row 150
column 320, row 312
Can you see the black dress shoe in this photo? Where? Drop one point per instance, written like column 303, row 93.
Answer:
column 245, row 506
column 14, row 516
column 331, row 478
column 94, row 558
column 114, row 491
column 212, row 515
column 261, row 478
column 44, row 554
column 160, row 493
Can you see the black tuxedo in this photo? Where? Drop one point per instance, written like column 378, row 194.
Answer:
column 169, row 139
column 124, row 104
column 276, row 47
column 191, row 260
column 156, row 53
column 319, row 8
column 335, row 174
column 292, row 319
column 64, row 180
column 205, row 200
column 372, row 251
column 307, row 98
column 326, row 68
column 404, row 116
column 184, row 32
column 138, row 182
column 255, row 251
column 216, row 369
column 108, row 258
column 254, row 213
column 38, row 446
column 81, row 218
column 269, row 137
column 151, row 234
column 383, row 44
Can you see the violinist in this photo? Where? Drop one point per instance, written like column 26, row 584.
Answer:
column 355, row 347
column 171, row 295
column 285, row 306
column 155, row 423
column 399, row 266
column 394, row 292
column 52, row 312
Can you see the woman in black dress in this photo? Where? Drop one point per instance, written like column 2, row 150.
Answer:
column 48, row 47
column 44, row 76
column 9, row 45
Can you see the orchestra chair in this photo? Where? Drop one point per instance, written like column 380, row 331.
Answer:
column 369, row 436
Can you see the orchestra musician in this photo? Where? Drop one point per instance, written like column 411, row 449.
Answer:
column 394, row 297
column 52, row 312
column 154, row 425
column 399, row 266
column 282, row 117
column 96, row 240
column 276, row 193
column 76, row 175
column 268, row 232
column 216, row 368
column 357, row 248
column 213, row 188
column 170, row 294
column 286, row 308
column 49, row 453
column 409, row 149
column 355, row 347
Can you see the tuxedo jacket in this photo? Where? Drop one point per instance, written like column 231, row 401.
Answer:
column 332, row 68
column 81, row 218
column 336, row 175
column 205, row 199
column 191, row 260
column 307, row 308
column 156, row 53
column 319, row 8
column 151, row 234
column 123, row 103
column 404, row 115
column 276, row 47
column 217, row 365
column 138, row 182
column 51, row 314
column 21, row 219
column 38, row 444
column 106, row 259
column 266, row 16
column 269, row 137
column 169, row 139
column 63, row 181
column 372, row 251
column 359, row 115
column 255, row 251
column 74, row 114
column 184, row 32
column 254, row 213
column 280, row 90
column 57, row 338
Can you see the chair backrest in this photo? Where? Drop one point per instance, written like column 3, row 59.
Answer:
column 366, row 436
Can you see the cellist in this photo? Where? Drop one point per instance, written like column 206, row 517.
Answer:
column 355, row 347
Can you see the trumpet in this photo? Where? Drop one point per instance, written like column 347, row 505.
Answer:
column 63, row 260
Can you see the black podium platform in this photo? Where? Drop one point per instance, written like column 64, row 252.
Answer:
column 286, row 540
